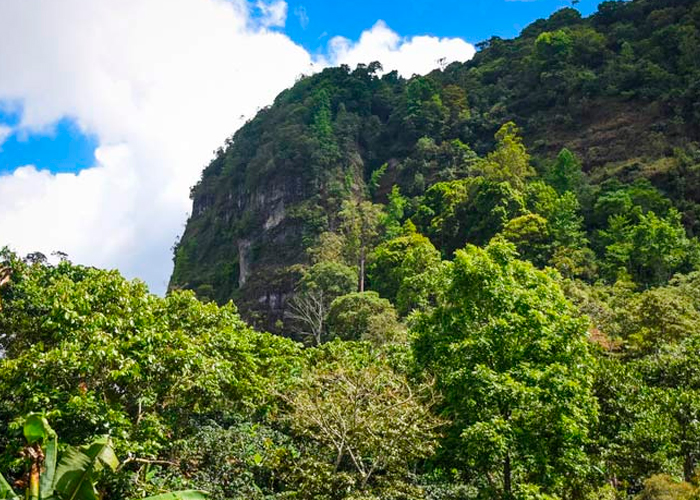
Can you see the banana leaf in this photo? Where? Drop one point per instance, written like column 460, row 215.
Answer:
column 6, row 492
column 74, row 474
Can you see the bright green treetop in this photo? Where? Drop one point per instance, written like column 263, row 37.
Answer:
column 511, row 357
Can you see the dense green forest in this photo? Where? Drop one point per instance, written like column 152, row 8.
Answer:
column 618, row 89
column 482, row 283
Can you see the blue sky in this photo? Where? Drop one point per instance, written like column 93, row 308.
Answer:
column 311, row 23
column 472, row 20
column 60, row 148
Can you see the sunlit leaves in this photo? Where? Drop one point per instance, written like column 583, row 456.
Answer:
column 512, row 360
column 110, row 357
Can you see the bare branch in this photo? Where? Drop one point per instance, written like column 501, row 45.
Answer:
column 309, row 309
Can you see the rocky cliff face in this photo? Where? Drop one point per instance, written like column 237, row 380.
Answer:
column 239, row 241
column 262, row 200
column 620, row 89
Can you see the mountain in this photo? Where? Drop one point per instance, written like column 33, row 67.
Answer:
column 619, row 89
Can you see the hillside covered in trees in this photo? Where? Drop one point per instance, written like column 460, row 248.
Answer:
column 619, row 90
column 483, row 283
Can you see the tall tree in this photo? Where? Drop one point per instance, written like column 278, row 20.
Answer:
column 361, row 222
column 369, row 423
column 565, row 174
column 513, row 362
column 651, row 250
column 318, row 287
column 364, row 316
column 510, row 162
column 399, row 259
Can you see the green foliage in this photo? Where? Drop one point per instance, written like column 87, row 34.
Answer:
column 472, row 210
column 182, row 495
column 619, row 199
column 570, row 252
column 348, row 170
column 361, row 223
column 512, row 360
column 554, row 48
column 330, row 248
column 318, row 287
column 6, row 492
column 240, row 461
column 430, row 162
column 363, row 316
column 395, row 264
column 530, row 235
column 540, row 198
column 369, row 425
column 76, row 473
column 566, row 223
column 74, row 476
column 395, row 211
column 510, row 162
column 646, row 385
column 565, row 174
column 376, row 178
column 107, row 356
column 663, row 487
column 651, row 250
column 425, row 112
column 614, row 93
column 332, row 277
column 658, row 317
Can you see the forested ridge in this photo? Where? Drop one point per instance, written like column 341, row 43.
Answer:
column 618, row 89
column 482, row 283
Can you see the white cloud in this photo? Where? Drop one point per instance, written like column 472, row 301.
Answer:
column 161, row 84
column 274, row 14
column 302, row 16
column 5, row 133
column 416, row 55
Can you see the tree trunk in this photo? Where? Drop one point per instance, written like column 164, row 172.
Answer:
column 688, row 455
column 362, row 269
column 688, row 467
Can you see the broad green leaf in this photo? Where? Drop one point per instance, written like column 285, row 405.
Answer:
column 6, row 493
column 74, row 476
column 37, row 428
column 181, row 495
column 47, row 478
column 101, row 452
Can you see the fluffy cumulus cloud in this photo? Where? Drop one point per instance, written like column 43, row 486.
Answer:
column 161, row 84
column 417, row 55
